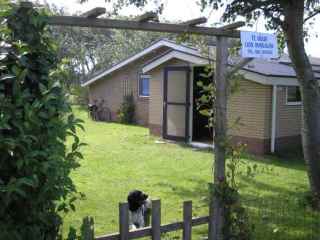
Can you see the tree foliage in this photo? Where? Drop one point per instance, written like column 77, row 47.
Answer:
column 35, row 122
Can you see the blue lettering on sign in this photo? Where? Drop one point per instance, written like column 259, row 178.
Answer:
column 259, row 45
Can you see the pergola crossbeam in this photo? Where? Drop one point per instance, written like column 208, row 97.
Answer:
column 148, row 16
column 26, row 4
column 143, row 26
column 94, row 13
column 233, row 26
column 196, row 21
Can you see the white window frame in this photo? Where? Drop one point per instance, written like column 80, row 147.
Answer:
column 291, row 103
column 143, row 76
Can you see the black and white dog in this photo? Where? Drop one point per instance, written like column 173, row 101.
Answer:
column 139, row 209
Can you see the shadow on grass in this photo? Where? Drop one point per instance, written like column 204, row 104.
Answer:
column 295, row 163
column 277, row 216
column 281, row 217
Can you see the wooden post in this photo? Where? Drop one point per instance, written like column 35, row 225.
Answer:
column 124, row 221
column 220, row 135
column 211, row 215
column 156, row 220
column 87, row 228
column 187, row 220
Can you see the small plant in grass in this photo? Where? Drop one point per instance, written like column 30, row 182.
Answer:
column 127, row 110
column 35, row 123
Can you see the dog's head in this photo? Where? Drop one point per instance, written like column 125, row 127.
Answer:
column 136, row 199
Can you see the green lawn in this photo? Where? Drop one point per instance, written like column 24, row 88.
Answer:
column 120, row 158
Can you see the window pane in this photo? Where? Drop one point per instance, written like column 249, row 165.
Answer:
column 293, row 94
column 144, row 86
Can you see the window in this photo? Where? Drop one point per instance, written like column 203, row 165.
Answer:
column 144, row 86
column 293, row 96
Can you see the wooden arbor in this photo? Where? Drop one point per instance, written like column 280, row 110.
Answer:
column 149, row 22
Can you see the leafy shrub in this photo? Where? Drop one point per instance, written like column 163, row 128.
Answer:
column 127, row 110
column 35, row 122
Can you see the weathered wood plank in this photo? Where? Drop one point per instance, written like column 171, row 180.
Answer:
column 147, row 17
column 26, row 4
column 143, row 26
column 124, row 221
column 196, row 21
column 144, row 232
column 94, row 13
column 187, row 220
column 233, row 25
column 211, row 207
column 220, row 131
column 156, row 220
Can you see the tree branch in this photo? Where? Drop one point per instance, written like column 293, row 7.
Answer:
column 316, row 12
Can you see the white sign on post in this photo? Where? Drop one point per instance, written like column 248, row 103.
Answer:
column 258, row 45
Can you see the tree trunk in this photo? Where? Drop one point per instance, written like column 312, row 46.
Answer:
column 220, row 135
column 293, row 28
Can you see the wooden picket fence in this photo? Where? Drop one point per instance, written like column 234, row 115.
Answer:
column 156, row 229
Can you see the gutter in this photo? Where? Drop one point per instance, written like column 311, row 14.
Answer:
column 274, row 117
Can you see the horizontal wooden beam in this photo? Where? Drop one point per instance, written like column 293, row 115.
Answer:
column 94, row 13
column 233, row 26
column 147, row 17
column 26, row 4
column 143, row 26
column 196, row 21
column 144, row 232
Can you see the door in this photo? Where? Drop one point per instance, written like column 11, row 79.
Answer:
column 176, row 103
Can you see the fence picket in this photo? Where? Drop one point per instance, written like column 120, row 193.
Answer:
column 156, row 220
column 187, row 220
column 124, row 221
column 210, row 224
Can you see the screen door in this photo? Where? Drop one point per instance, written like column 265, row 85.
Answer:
column 176, row 103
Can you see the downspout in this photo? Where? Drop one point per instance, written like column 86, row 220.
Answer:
column 274, row 117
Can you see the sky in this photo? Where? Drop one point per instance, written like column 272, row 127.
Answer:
column 182, row 10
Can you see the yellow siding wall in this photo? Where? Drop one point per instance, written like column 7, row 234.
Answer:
column 252, row 105
column 288, row 116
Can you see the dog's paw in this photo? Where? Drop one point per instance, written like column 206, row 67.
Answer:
column 132, row 227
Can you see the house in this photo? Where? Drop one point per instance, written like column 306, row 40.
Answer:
column 163, row 79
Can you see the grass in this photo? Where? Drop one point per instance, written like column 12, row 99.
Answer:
column 120, row 158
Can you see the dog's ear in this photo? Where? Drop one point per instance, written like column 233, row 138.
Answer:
column 133, row 200
column 144, row 196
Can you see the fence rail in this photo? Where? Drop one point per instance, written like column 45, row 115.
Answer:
column 276, row 218
column 156, row 229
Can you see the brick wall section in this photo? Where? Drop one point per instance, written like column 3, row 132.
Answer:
column 252, row 105
column 112, row 88
column 288, row 123
column 288, row 143
column 254, row 145
column 288, row 116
